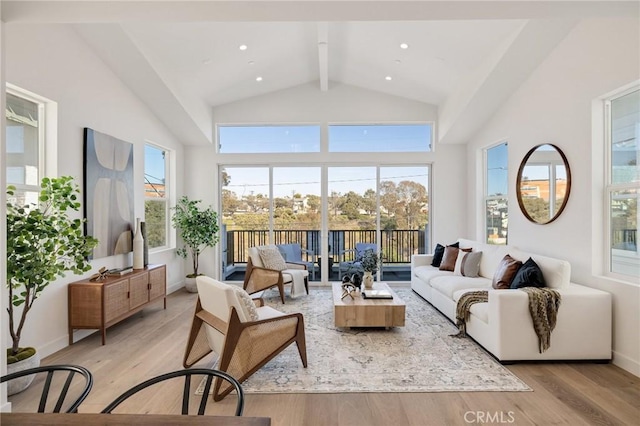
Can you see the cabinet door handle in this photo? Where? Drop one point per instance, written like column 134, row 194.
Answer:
column 128, row 295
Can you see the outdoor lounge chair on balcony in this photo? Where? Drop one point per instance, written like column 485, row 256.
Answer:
column 267, row 268
column 354, row 266
column 292, row 253
column 244, row 333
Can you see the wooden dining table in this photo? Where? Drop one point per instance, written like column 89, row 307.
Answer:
column 44, row 419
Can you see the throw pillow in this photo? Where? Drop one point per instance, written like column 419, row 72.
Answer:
column 457, row 269
column 272, row 259
column 247, row 302
column 437, row 255
column 449, row 258
column 506, row 271
column 471, row 264
column 462, row 254
column 529, row 275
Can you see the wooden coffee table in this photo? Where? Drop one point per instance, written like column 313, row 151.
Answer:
column 361, row 312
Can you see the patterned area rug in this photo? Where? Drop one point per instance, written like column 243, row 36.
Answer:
column 420, row 357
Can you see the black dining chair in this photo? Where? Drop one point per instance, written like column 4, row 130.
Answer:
column 187, row 374
column 56, row 374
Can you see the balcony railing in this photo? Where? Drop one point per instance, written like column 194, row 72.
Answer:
column 396, row 245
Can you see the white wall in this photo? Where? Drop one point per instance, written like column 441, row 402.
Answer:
column 555, row 106
column 4, row 293
column 54, row 62
column 340, row 104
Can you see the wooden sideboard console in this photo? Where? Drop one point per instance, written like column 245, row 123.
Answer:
column 99, row 305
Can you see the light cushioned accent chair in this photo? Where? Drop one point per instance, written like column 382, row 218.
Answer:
column 242, row 331
column 259, row 277
column 353, row 266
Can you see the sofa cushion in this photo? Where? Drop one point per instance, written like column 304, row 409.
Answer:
column 449, row 284
column 529, row 275
column 426, row 273
column 480, row 310
column 506, row 271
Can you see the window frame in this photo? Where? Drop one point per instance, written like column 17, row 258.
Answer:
column 168, row 195
column 19, row 93
column 485, row 191
column 47, row 135
column 609, row 187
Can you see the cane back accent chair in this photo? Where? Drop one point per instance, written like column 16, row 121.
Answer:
column 244, row 338
column 258, row 278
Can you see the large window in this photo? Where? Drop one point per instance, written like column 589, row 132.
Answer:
column 380, row 138
column 25, row 146
column 623, row 125
column 496, row 189
column 327, row 204
column 156, row 204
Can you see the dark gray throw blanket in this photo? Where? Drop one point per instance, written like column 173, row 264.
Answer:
column 543, row 307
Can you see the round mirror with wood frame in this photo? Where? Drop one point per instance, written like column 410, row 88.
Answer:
column 543, row 184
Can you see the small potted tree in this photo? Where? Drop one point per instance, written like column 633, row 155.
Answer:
column 370, row 263
column 42, row 244
column 198, row 229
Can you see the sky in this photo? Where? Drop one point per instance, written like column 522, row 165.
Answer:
column 154, row 168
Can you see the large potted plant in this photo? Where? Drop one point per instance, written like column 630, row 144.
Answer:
column 198, row 229
column 43, row 242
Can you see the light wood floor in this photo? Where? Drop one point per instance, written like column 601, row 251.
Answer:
column 152, row 343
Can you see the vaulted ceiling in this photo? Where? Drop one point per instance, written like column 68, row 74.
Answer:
column 183, row 58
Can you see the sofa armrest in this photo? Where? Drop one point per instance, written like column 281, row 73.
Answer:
column 421, row 260
column 583, row 328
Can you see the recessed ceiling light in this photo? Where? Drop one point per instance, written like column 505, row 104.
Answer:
column 207, row 61
column 404, row 46
column 243, row 47
column 258, row 78
column 397, row 61
column 251, row 62
column 388, row 78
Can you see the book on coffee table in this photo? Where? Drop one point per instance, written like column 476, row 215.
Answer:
column 377, row 294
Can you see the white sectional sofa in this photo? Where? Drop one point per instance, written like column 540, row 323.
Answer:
column 503, row 325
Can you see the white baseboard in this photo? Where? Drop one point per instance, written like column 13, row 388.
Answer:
column 5, row 408
column 626, row 363
column 174, row 287
column 54, row 346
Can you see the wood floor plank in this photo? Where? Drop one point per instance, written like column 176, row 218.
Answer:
column 152, row 342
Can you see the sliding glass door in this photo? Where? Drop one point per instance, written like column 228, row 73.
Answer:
column 404, row 218
column 381, row 207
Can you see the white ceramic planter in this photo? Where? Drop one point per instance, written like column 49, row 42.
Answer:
column 18, row 385
column 190, row 285
column 368, row 280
